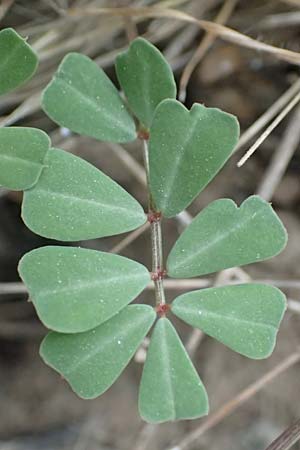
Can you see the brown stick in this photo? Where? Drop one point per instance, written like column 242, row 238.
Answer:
column 288, row 438
column 233, row 404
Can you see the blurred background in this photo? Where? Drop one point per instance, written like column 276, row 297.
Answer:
column 257, row 83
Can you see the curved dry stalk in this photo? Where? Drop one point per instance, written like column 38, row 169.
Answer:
column 225, row 33
column 222, row 17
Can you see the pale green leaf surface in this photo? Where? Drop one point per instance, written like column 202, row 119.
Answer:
column 22, row 154
column 170, row 387
column 146, row 79
column 82, row 98
column 74, row 201
column 75, row 289
column 244, row 317
column 18, row 61
column 186, row 150
column 223, row 236
column 92, row 361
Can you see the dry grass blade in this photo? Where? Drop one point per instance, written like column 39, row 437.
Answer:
column 29, row 106
column 195, row 283
column 287, row 439
column 281, row 158
column 233, row 404
column 269, row 114
column 286, row 19
column 203, row 47
column 221, row 31
column 131, row 237
column 269, row 130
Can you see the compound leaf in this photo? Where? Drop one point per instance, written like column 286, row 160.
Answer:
column 170, row 387
column 18, row 61
column 75, row 201
column 223, row 236
column 92, row 361
column 75, row 289
column 244, row 317
column 146, row 79
column 22, row 154
column 186, row 150
column 82, row 98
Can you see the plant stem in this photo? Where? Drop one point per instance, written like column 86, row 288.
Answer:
column 157, row 262
column 154, row 218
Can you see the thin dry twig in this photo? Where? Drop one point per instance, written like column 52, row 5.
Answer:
column 131, row 164
column 225, row 33
column 12, row 288
column 269, row 130
column 145, row 436
column 281, row 158
column 4, row 7
column 29, row 106
column 233, row 404
column 293, row 305
column 193, row 341
column 131, row 237
column 286, row 19
column 269, row 114
column 222, row 17
column 287, row 439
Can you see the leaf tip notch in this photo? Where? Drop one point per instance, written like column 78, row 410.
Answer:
column 146, row 79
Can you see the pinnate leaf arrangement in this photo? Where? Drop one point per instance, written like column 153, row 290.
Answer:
column 83, row 295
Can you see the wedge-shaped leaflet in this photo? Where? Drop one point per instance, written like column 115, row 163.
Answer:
column 92, row 361
column 18, row 61
column 223, row 236
column 22, row 154
column 186, row 150
column 75, row 201
column 244, row 317
column 82, row 98
column 146, row 79
column 170, row 387
column 75, row 289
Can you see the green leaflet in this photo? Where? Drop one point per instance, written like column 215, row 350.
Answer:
column 75, row 289
column 186, row 150
column 18, row 61
column 146, row 79
column 92, row 361
column 170, row 388
column 82, row 98
column 244, row 317
column 75, row 201
column 22, row 154
column 223, row 236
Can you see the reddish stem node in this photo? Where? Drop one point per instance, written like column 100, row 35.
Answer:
column 162, row 309
column 143, row 134
column 154, row 216
column 158, row 275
